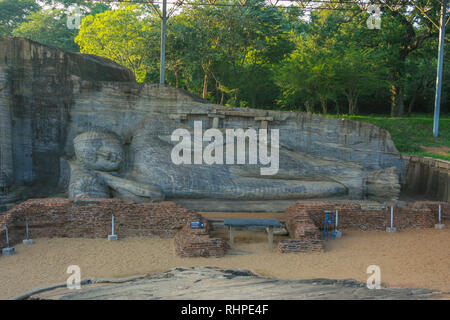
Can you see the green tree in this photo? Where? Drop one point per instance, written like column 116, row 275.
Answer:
column 48, row 26
column 308, row 76
column 331, row 60
column 420, row 77
column 232, row 50
column 405, row 29
column 13, row 13
column 126, row 35
column 358, row 73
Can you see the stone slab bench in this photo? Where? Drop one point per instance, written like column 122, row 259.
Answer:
column 243, row 223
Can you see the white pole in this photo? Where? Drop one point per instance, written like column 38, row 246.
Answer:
column 7, row 237
column 163, row 42
column 26, row 225
column 337, row 217
column 440, row 214
column 392, row 217
column 112, row 225
column 437, row 101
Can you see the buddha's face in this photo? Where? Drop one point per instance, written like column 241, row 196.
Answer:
column 99, row 150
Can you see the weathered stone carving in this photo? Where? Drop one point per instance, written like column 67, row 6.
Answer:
column 113, row 135
column 99, row 150
column 96, row 153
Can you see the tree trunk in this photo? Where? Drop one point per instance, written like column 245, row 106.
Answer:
column 397, row 103
column 351, row 107
column 221, row 98
column 323, row 103
column 352, row 99
column 253, row 100
column 411, row 104
column 309, row 107
column 205, row 86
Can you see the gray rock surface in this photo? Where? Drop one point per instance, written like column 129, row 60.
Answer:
column 99, row 150
column 210, row 283
column 81, row 126
column 6, row 148
column 380, row 184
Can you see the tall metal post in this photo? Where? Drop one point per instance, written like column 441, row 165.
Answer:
column 437, row 101
column 7, row 236
column 26, row 227
column 392, row 228
column 112, row 236
column 163, row 42
column 112, row 226
column 27, row 241
column 8, row 249
column 440, row 225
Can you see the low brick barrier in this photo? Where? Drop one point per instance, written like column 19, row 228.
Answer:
column 434, row 206
column 368, row 216
column 305, row 220
column 91, row 218
column 197, row 243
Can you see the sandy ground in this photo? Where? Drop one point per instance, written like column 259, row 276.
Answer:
column 413, row 258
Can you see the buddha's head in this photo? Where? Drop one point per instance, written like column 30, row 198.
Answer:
column 99, row 150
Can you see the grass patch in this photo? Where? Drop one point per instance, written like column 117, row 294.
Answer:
column 413, row 135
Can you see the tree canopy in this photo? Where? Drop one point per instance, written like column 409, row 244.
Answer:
column 257, row 55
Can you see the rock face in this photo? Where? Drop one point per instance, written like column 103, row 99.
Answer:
column 207, row 283
column 380, row 184
column 80, row 125
column 427, row 178
column 38, row 85
column 6, row 151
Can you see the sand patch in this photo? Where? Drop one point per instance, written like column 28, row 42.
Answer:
column 444, row 151
column 412, row 258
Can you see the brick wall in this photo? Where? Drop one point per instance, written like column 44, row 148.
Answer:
column 370, row 216
column 434, row 206
column 305, row 219
column 306, row 237
column 197, row 243
column 91, row 218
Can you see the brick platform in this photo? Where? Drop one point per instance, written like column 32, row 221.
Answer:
column 306, row 237
column 197, row 243
column 91, row 218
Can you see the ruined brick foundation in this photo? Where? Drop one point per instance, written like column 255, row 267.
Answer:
column 91, row 218
column 305, row 219
column 197, row 243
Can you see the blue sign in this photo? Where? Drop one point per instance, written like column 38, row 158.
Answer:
column 197, row 225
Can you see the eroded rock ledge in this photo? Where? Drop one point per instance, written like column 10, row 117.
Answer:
column 208, row 283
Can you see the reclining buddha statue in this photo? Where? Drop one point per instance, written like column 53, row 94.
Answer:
column 144, row 170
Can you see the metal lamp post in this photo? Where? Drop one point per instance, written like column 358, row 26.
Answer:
column 437, row 101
